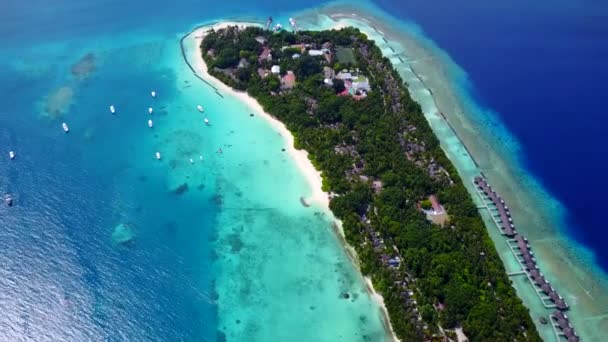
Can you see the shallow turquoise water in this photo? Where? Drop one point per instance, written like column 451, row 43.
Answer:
column 107, row 243
column 234, row 256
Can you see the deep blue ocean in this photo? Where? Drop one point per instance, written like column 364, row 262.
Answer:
column 540, row 66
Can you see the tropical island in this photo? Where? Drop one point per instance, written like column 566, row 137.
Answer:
column 403, row 207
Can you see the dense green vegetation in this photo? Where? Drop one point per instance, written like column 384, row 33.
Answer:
column 380, row 160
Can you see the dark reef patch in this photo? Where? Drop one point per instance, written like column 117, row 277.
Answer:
column 180, row 190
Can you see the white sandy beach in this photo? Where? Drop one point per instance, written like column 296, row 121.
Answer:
column 312, row 175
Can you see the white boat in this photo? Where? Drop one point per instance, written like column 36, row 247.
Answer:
column 11, row 154
column 157, row 155
column 206, row 121
column 150, row 123
column 200, row 108
column 293, row 23
column 191, row 161
column 112, row 110
column 65, row 127
column 150, row 110
column 153, row 93
column 200, row 157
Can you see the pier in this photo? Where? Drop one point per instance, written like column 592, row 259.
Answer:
column 518, row 244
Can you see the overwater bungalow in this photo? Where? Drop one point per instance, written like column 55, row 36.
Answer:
column 563, row 323
column 522, row 243
column 561, row 304
column 534, row 274
column 528, row 259
column 553, row 295
column 571, row 335
column 540, row 281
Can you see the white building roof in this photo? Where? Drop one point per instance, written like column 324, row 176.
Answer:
column 315, row 52
column 275, row 69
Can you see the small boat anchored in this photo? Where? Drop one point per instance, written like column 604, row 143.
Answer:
column 191, row 161
column 293, row 23
column 11, row 154
column 150, row 123
column 206, row 121
column 150, row 110
column 157, row 154
column 65, row 127
column 153, row 94
column 8, row 200
column 112, row 109
column 200, row 108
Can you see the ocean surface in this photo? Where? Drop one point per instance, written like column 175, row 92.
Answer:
column 106, row 243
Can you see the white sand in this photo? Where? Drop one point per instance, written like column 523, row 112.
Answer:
column 380, row 300
column 312, row 175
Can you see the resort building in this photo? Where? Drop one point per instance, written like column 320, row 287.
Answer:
column 260, row 40
column 263, row 72
column 275, row 69
column 314, row 52
column 435, row 213
column 265, row 55
column 289, row 80
column 243, row 63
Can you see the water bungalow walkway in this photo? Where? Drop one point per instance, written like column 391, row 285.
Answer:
column 518, row 244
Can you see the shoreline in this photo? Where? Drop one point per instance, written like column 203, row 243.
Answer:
column 310, row 173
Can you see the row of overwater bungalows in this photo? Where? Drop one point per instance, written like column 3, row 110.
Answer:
column 506, row 223
column 508, row 228
column 561, row 320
